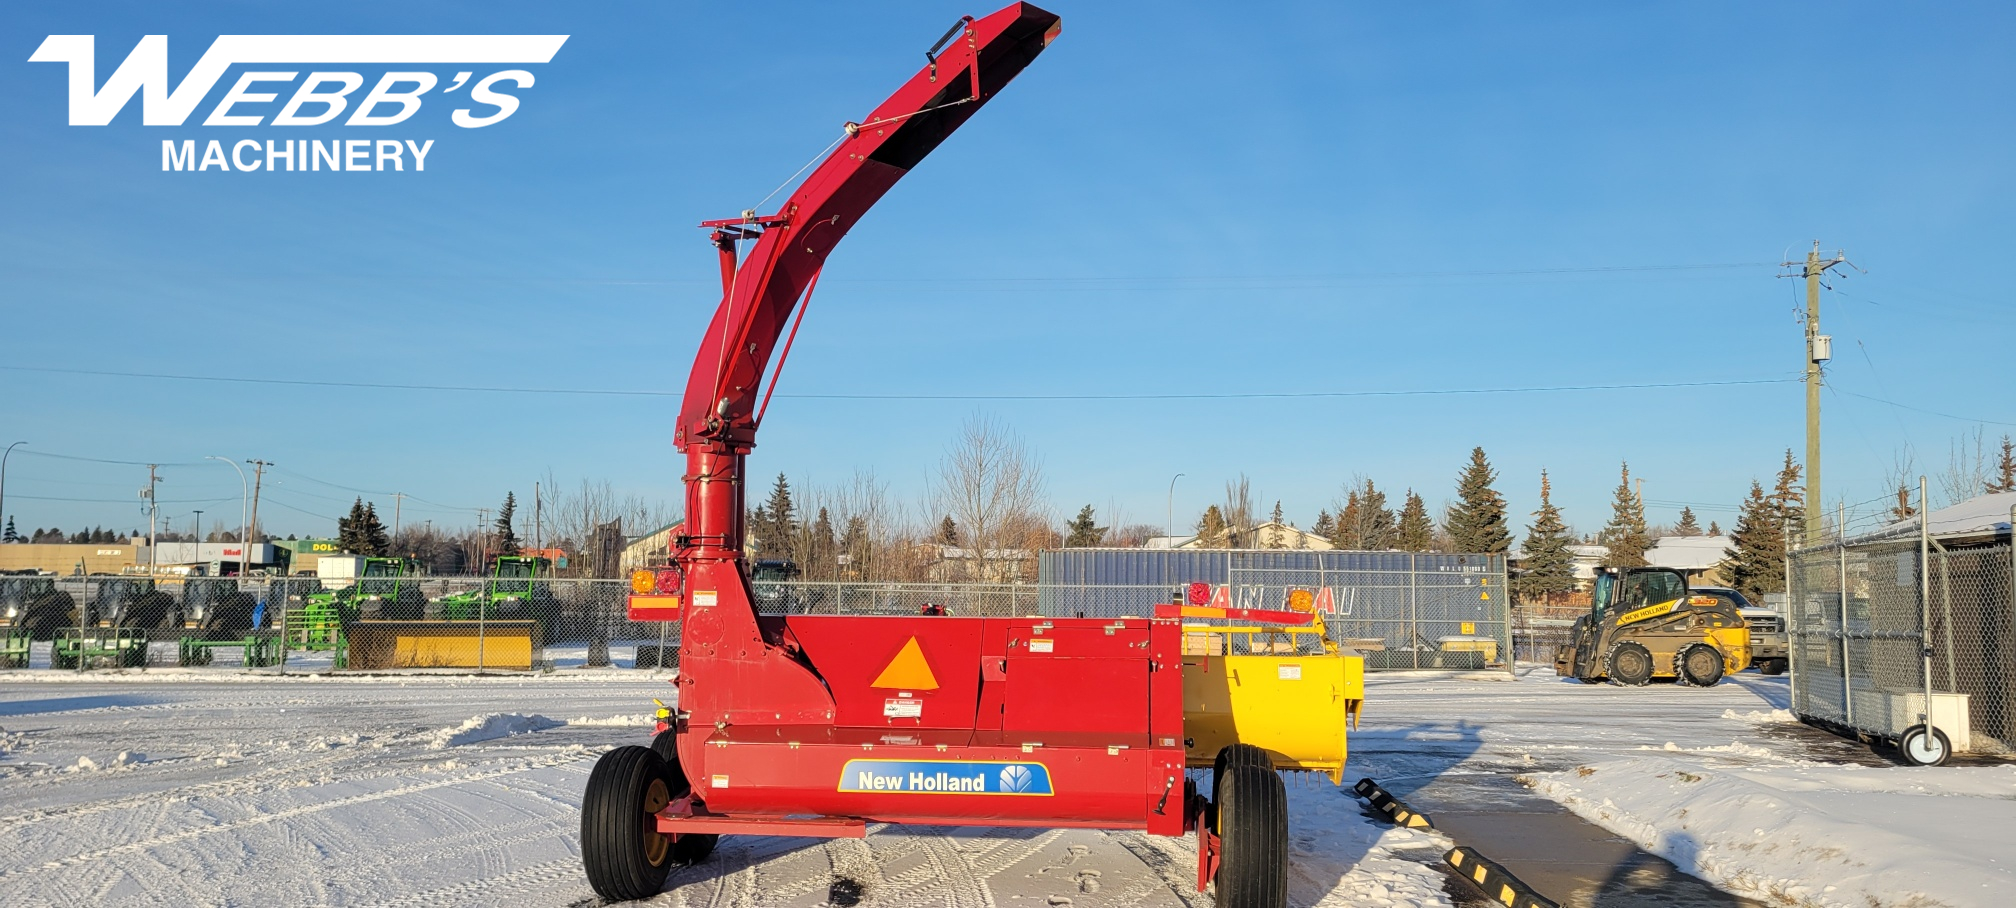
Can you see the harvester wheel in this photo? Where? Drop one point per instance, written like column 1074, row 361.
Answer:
column 1629, row 664
column 626, row 856
column 691, row 848
column 1253, row 838
column 1700, row 665
column 1237, row 755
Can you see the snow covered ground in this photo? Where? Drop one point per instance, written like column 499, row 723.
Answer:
column 211, row 787
column 175, row 787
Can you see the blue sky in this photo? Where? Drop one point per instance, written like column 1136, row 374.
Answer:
column 1283, row 198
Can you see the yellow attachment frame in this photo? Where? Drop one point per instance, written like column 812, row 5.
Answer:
column 1287, row 690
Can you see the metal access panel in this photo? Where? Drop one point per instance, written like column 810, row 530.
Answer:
column 896, row 672
column 1078, row 675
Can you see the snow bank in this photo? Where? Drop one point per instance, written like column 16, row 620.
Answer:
column 1762, row 717
column 489, row 727
column 1813, row 836
column 621, row 721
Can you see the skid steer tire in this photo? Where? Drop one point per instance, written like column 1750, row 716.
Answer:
column 1699, row 665
column 625, row 855
column 1253, row 838
column 693, row 848
column 1628, row 664
column 1771, row 667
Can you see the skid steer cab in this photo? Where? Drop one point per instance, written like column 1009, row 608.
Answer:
column 1644, row 624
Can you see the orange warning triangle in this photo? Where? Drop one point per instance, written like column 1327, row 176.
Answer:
column 908, row 670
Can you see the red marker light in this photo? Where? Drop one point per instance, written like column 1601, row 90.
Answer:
column 1199, row 594
column 668, row 582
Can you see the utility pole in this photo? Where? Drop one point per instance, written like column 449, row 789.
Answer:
column 258, row 474
column 1819, row 349
column 153, row 523
column 398, row 499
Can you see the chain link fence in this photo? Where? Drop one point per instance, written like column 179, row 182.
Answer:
column 1401, row 610
column 1874, row 626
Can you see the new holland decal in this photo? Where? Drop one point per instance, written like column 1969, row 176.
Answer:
column 971, row 777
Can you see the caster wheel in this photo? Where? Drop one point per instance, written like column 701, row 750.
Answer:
column 1921, row 746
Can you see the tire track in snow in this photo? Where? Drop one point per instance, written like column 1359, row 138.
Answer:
column 286, row 814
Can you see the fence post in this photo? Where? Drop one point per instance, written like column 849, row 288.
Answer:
column 1847, row 672
column 482, row 616
column 1925, row 600
column 1413, row 607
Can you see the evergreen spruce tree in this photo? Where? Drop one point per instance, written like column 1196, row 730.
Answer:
column 1476, row 522
column 1789, row 501
column 1625, row 534
column 948, row 531
column 1756, row 564
column 820, row 548
column 1688, row 525
column 1416, row 533
column 10, row 535
column 1211, row 529
column 1714, row 529
column 1349, row 534
column 779, row 527
column 507, row 538
column 1083, row 532
column 377, row 543
column 1276, row 539
column 2005, row 469
column 347, row 528
column 1548, row 566
column 1325, row 526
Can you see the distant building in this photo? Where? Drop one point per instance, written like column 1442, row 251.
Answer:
column 69, row 558
column 1268, row 535
column 653, row 548
column 952, row 564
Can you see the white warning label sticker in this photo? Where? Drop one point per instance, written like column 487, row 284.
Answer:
column 903, row 708
column 1042, row 646
column 1290, row 672
column 704, row 598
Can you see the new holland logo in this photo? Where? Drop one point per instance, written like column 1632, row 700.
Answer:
column 319, row 96
column 964, row 777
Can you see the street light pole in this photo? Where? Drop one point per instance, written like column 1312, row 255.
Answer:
column 1171, row 528
column 199, row 535
column 3, row 478
column 244, row 496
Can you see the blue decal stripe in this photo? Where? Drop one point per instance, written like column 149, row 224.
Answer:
column 963, row 777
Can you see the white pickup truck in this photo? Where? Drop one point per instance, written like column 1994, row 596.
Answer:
column 1770, row 649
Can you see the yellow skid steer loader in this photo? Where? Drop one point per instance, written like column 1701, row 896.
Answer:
column 1643, row 624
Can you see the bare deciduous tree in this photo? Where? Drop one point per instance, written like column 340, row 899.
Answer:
column 992, row 487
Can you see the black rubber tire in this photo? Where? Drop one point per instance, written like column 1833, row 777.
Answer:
column 1629, row 664
column 1234, row 755
column 1253, row 838
column 1699, row 665
column 689, row 849
column 1771, row 667
column 624, row 855
column 1914, row 748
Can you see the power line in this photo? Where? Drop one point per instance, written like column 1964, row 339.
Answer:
column 1256, row 395
column 1993, row 422
column 1252, row 395
column 123, row 463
